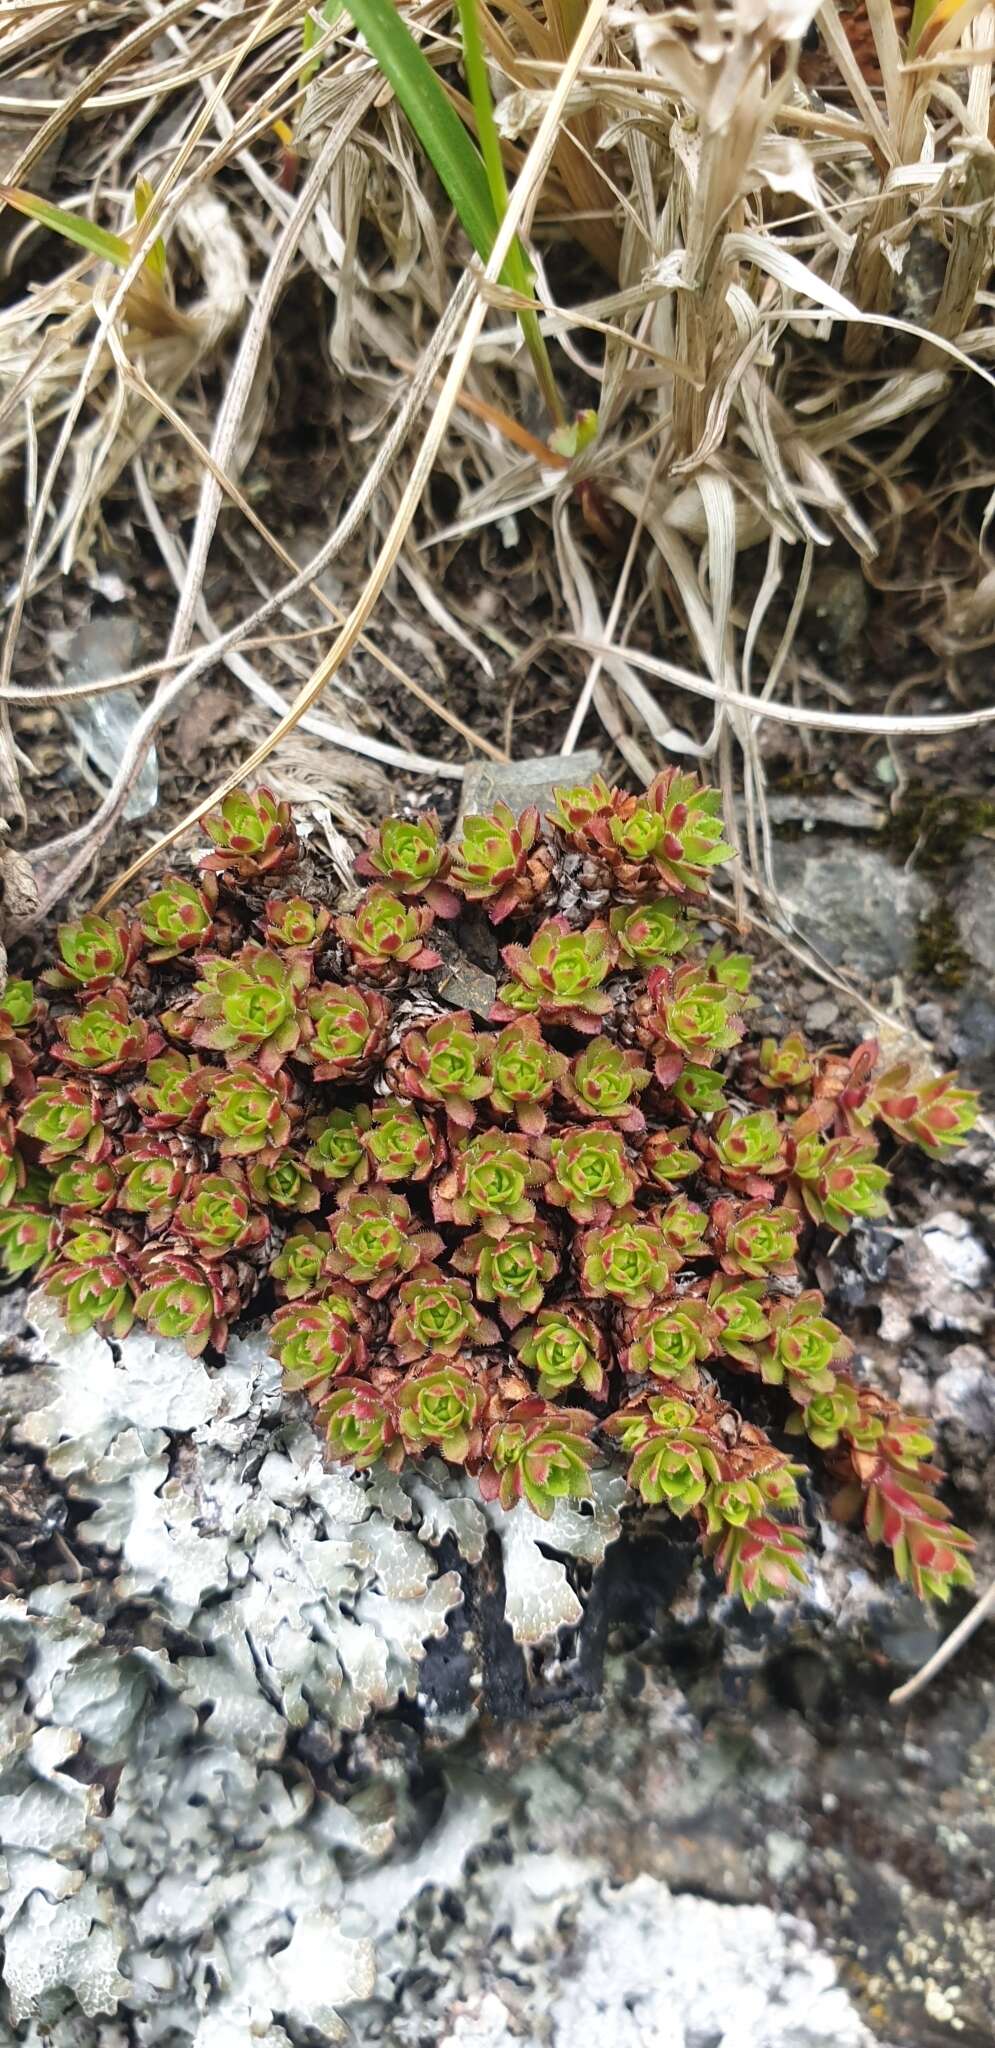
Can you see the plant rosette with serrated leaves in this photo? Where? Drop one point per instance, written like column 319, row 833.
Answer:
column 528, row 1245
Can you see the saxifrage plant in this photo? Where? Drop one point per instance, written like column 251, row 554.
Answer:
column 524, row 1244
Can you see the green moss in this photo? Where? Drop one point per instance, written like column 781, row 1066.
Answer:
column 936, row 829
column 939, row 955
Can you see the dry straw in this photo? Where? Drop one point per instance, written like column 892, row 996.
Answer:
column 747, row 247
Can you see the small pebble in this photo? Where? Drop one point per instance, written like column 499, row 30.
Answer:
column 822, row 1015
column 929, row 1019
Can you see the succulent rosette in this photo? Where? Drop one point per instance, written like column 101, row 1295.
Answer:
column 634, row 832
column 345, row 1032
column 218, row 1218
column 762, row 1560
column 251, row 833
column 672, row 1340
column 629, row 1261
column 19, row 1012
column 698, row 1091
column 94, row 952
column 375, row 1240
column 736, row 1502
column 514, row 1271
column 294, row 922
column 690, row 844
column 591, row 1174
column 12, row 1168
column 448, row 1064
column 360, row 1426
column 301, row 1265
column 540, row 1454
column 926, row 1110
column 830, row 1415
column 687, row 1015
column 804, row 1347
column 578, row 809
column 558, row 977
column 93, row 1280
column 173, row 1093
column 748, row 1152
column 655, row 1413
column 63, row 1117
column 840, row 1181
column 19, row 1006
column 626, row 833
column 317, row 1341
column 566, row 1348
column 177, row 917
column 649, row 934
column 247, row 1006
column 742, row 1320
column 501, row 861
column 183, row 1297
column 27, row 1237
column 788, row 1066
column 603, row 1081
column 384, row 933
column 666, row 1157
column 336, row 1152
column 85, row 1187
column 524, row 1070
column 435, row 1312
column 283, row 1182
column 672, row 1471
column 683, row 1226
column 412, row 858
column 754, row 1239
column 928, row 1552
column 440, row 1406
column 401, row 1145
column 103, row 1036
column 152, row 1175
column 247, row 1111
column 492, row 1182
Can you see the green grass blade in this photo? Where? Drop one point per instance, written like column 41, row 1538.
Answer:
column 155, row 261
column 113, row 248
column 312, row 33
column 518, row 270
column 483, row 106
column 477, row 188
column 433, row 118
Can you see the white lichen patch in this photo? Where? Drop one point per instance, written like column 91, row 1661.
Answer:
column 168, row 1861
column 539, row 1598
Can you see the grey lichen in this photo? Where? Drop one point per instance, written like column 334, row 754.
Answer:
column 163, row 1853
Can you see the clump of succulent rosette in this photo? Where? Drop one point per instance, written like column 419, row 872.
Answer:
column 528, row 1240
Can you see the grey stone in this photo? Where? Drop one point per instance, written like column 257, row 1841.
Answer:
column 459, row 981
column 939, row 1275
column 858, row 908
column 965, row 1393
column 974, row 904
column 823, row 1015
column 103, row 725
column 929, row 1019
column 836, row 614
column 520, row 783
column 973, row 1042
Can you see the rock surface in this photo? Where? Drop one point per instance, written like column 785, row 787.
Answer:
column 303, row 1756
column 855, row 904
